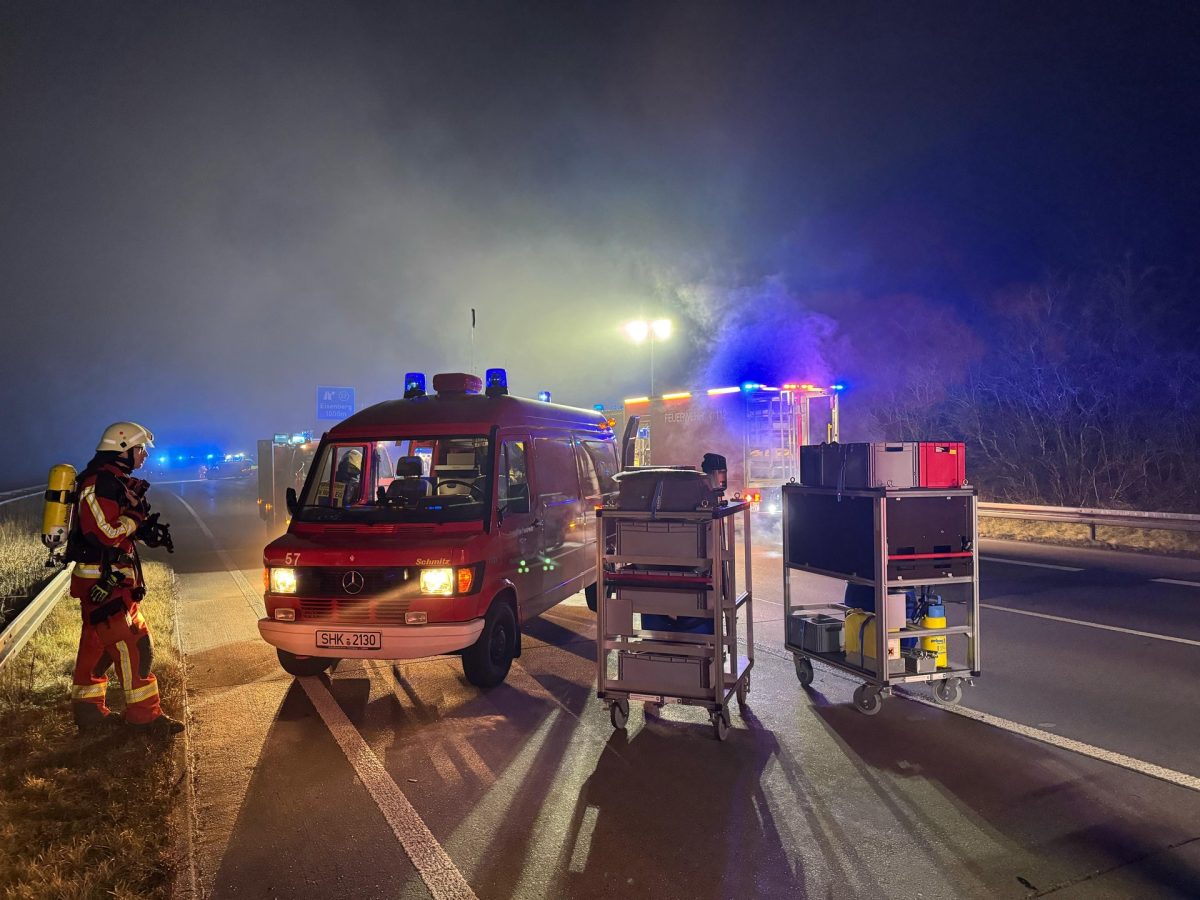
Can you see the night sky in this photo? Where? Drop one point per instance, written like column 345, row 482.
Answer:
column 209, row 209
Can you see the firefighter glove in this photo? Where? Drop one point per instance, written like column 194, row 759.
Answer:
column 103, row 589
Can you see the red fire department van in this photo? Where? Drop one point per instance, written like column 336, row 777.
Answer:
column 438, row 524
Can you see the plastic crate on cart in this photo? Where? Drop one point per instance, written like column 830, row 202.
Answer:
column 943, row 464
column 817, row 634
column 663, row 673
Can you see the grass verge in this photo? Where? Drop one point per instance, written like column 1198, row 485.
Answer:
column 22, row 560
column 84, row 817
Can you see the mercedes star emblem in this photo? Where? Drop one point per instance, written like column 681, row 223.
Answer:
column 352, row 582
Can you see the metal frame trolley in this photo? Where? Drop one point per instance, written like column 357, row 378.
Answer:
column 891, row 542
column 681, row 565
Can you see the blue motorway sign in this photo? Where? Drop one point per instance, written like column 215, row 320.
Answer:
column 335, row 402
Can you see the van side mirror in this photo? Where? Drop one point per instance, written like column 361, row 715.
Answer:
column 292, row 503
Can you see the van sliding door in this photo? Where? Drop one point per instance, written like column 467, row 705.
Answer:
column 564, row 553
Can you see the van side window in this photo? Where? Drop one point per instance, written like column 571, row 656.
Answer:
column 514, row 479
column 588, row 480
column 557, row 474
column 604, row 457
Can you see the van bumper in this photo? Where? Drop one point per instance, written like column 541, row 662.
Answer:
column 398, row 641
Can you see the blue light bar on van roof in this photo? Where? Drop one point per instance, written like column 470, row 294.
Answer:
column 414, row 385
column 544, row 396
column 496, row 382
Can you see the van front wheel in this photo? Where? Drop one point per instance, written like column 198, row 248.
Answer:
column 487, row 661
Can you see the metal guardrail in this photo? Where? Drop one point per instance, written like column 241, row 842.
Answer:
column 21, row 629
column 1076, row 515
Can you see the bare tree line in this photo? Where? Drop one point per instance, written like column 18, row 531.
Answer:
column 1086, row 392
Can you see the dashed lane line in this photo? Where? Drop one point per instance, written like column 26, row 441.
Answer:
column 1182, row 779
column 1032, row 565
column 1177, row 581
column 437, row 870
column 1134, row 632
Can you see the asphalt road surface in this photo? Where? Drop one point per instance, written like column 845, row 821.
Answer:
column 1072, row 770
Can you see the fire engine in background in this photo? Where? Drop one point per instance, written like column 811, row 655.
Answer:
column 283, row 463
column 756, row 427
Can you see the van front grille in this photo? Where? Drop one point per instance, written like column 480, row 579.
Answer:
column 355, row 611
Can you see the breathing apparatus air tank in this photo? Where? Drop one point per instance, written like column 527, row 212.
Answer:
column 59, row 505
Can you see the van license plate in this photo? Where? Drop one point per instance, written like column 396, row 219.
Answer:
column 350, row 640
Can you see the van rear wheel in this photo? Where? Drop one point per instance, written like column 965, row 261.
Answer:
column 303, row 665
column 487, row 661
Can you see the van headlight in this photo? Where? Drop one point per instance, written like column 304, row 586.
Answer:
column 283, row 581
column 437, row 581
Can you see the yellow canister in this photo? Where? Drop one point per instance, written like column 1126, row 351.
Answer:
column 60, row 502
column 935, row 617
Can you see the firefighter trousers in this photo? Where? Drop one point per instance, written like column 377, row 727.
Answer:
column 123, row 641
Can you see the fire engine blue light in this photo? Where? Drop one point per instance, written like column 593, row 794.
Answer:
column 180, row 458
column 750, row 386
column 162, row 460
column 544, row 396
column 838, row 387
column 414, row 384
column 495, row 382
column 598, row 407
column 210, row 456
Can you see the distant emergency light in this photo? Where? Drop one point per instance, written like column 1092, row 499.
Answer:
column 544, row 396
column 497, row 382
column 598, row 407
column 837, row 387
column 457, row 383
column 749, row 386
column 414, row 385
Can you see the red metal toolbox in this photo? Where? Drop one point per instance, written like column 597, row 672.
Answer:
column 943, row 464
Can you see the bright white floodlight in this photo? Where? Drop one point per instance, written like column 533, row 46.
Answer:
column 661, row 329
column 637, row 330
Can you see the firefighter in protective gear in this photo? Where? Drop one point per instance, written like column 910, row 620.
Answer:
column 111, row 515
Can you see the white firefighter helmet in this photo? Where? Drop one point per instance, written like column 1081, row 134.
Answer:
column 121, row 436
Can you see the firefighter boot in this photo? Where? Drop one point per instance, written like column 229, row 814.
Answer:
column 159, row 727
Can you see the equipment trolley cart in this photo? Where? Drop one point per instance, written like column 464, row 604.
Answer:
column 681, row 565
column 888, row 542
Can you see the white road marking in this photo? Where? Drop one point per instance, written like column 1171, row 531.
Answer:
column 437, row 870
column 1176, row 581
column 253, row 597
column 1142, row 767
column 1147, row 634
column 21, row 497
column 1032, row 565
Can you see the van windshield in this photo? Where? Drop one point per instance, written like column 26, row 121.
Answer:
column 403, row 479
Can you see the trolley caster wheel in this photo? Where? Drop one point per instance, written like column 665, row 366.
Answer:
column 867, row 699
column 618, row 713
column 949, row 691
column 743, row 689
column 804, row 670
column 720, row 721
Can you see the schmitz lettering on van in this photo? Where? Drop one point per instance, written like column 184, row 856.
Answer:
column 430, row 561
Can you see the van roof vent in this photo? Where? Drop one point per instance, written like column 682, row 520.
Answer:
column 457, row 383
